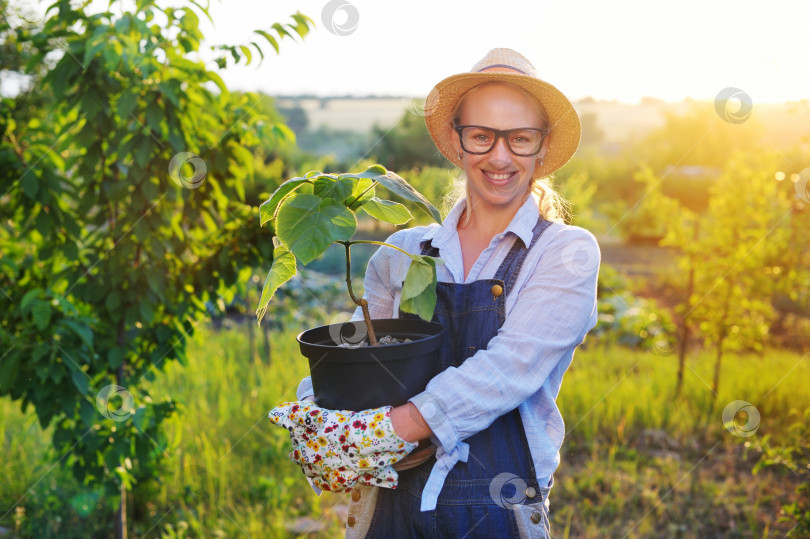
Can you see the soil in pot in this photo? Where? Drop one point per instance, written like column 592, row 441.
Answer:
column 358, row 377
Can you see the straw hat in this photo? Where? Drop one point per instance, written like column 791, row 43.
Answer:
column 505, row 65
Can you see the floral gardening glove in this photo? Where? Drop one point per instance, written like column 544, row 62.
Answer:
column 337, row 448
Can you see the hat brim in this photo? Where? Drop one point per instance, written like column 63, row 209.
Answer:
column 563, row 140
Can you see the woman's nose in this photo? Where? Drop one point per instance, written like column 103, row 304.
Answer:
column 501, row 151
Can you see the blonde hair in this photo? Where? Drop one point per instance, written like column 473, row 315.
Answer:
column 552, row 205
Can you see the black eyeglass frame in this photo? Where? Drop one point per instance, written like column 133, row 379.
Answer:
column 505, row 134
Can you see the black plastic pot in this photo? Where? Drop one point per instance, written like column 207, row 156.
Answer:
column 356, row 377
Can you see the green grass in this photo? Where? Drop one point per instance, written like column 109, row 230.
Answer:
column 228, row 475
column 615, row 392
column 640, row 462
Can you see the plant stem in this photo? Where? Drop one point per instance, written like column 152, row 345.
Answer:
column 380, row 243
column 372, row 338
column 369, row 188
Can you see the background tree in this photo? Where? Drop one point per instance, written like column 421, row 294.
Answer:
column 406, row 145
column 123, row 211
column 729, row 292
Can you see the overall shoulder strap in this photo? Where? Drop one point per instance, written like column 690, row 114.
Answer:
column 510, row 267
column 429, row 250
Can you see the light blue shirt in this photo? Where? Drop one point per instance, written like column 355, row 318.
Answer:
column 548, row 313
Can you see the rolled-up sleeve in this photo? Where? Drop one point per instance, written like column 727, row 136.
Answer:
column 554, row 310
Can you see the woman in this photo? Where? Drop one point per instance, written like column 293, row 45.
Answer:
column 517, row 293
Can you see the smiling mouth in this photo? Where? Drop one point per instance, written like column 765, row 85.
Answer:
column 498, row 177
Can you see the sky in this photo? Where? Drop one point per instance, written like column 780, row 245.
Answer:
column 621, row 50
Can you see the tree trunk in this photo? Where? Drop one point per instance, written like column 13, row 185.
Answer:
column 683, row 345
column 684, row 338
column 716, row 381
column 721, row 339
column 121, row 514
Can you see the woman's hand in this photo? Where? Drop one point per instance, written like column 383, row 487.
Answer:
column 337, row 449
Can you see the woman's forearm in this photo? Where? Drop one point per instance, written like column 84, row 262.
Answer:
column 409, row 424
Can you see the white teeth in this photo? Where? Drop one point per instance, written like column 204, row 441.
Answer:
column 498, row 176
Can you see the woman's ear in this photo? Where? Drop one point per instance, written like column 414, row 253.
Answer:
column 457, row 145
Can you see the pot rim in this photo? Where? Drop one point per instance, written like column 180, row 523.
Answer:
column 438, row 333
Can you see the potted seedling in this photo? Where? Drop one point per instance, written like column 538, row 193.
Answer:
column 369, row 363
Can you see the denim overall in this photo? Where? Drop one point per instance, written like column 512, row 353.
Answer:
column 477, row 495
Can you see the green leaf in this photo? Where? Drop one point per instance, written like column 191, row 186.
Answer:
column 388, row 211
column 400, row 187
column 281, row 30
column 155, row 281
column 9, row 368
column 80, row 381
column 270, row 39
column 168, row 89
column 87, row 412
column 30, row 185
column 146, row 310
column 83, row 332
column 258, row 49
column 267, row 211
column 92, row 51
column 126, row 104
column 41, row 313
column 247, row 53
column 419, row 290
column 115, row 357
column 302, row 23
column 113, row 301
column 29, row 296
column 154, row 116
column 328, row 186
column 282, row 133
column 150, row 190
column 43, row 223
column 363, row 189
column 282, row 270
column 308, row 225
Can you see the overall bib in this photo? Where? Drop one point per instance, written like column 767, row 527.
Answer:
column 477, row 496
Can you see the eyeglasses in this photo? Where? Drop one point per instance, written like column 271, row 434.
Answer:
column 521, row 141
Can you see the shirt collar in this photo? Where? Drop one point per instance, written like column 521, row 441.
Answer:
column 522, row 224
